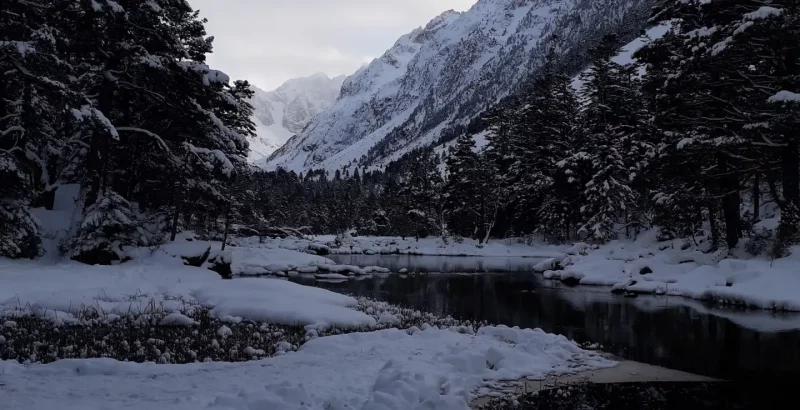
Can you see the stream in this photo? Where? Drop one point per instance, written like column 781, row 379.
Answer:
column 674, row 332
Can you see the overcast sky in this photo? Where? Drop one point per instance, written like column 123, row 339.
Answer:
column 271, row 41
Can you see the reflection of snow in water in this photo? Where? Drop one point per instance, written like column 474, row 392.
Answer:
column 444, row 264
column 766, row 321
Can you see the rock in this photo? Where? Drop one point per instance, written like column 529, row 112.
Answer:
column 548, row 264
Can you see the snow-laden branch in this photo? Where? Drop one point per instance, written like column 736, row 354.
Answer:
column 15, row 128
column 785, row 96
column 219, row 156
column 88, row 111
column 155, row 136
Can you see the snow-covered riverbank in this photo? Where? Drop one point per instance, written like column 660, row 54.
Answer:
column 432, row 246
column 673, row 268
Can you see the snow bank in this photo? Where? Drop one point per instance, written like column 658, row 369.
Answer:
column 163, row 283
column 371, row 245
column 389, row 369
column 646, row 266
column 251, row 259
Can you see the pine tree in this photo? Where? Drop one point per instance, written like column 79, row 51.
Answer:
column 461, row 188
column 420, row 195
column 539, row 142
column 608, row 128
column 109, row 224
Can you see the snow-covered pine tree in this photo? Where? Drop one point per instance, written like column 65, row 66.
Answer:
column 608, row 127
column 500, row 121
column 541, row 138
column 489, row 198
column 680, row 181
column 420, row 195
column 116, row 96
column 460, row 189
column 108, row 225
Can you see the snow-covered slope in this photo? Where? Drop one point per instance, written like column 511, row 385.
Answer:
column 446, row 73
column 284, row 112
column 626, row 53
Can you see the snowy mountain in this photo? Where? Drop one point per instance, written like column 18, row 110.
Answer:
column 443, row 75
column 285, row 112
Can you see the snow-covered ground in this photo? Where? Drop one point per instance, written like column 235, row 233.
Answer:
column 648, row 266
column 427, row 368
column 388, row 369
column 59, row 291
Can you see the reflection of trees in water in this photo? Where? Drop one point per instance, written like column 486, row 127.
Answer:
column 652, row 330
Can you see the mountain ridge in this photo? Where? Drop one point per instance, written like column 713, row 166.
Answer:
column 445, row 74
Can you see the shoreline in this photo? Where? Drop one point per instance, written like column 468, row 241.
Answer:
column 626, row 371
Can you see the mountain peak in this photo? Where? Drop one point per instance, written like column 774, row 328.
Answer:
column 285, row 111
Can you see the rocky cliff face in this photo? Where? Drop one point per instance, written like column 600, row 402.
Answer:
column 446, row 73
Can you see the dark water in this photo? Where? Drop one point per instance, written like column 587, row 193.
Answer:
column 667, row 331
column 446, row 264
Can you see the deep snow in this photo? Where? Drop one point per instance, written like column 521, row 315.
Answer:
column 388, row 369
column 163, row 283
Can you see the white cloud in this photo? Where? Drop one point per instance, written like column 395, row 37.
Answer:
column 270, row 41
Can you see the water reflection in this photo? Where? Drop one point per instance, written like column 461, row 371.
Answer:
column 446, row 264
column 668, row 331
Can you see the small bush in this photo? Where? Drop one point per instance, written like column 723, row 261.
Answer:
column 788, row 233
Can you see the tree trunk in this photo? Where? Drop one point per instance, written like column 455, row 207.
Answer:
column 712, row 222
column 756, row 198
column 730, row 201
column 227, row 227
column 100, row 147
column 791, row 173
column 175, row 218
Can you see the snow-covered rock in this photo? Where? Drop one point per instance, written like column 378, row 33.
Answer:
column 447, row 73
column 177, row 319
